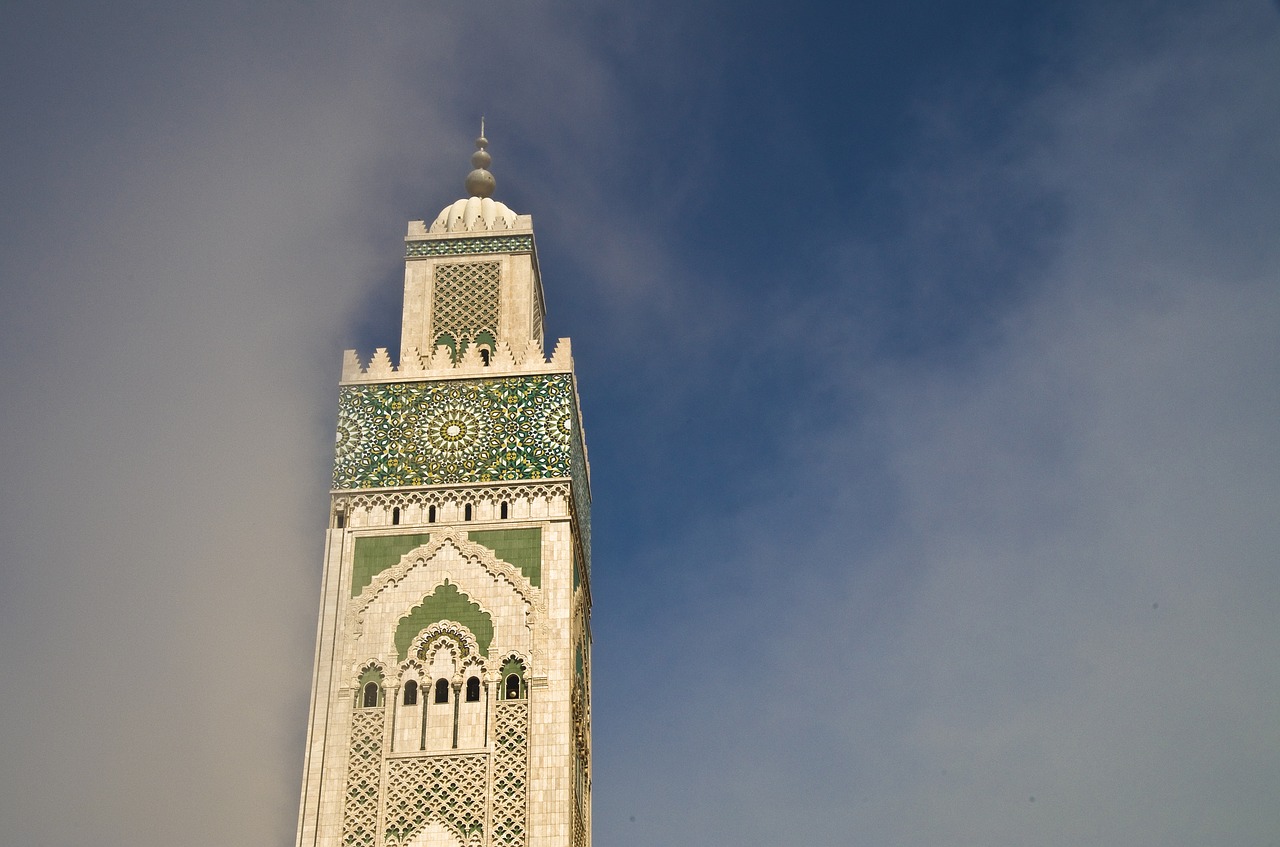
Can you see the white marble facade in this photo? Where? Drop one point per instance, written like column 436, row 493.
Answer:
column 481, row 763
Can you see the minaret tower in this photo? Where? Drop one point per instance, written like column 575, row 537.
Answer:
column 451, row 704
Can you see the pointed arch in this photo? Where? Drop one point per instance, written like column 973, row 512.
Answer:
column 370, row 686
column 446, row 603
column 420, row 556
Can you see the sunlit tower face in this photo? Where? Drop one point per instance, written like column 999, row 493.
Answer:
column 451, row 698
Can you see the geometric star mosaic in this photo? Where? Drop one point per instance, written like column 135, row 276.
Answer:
column 477, row 430
column 463, row 246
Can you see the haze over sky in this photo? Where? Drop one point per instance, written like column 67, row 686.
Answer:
column 929, row 364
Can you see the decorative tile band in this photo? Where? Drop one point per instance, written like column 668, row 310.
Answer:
column 476, row 430
column 463, row 431
column 468, row 246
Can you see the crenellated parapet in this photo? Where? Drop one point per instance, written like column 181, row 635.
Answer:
column 451, row 694
column 440, row 363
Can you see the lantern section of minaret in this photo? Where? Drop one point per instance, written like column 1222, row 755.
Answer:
column 451, row 701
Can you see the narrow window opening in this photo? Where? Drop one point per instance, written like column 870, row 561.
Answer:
column 473, row 690
column 411, row 693
column 504, row 510
column 466, row 512
column 484, row 356
column 442, row 691
column 395, row 516
column 340, row 520
column 431, row 514
column 513, row 687
column 371, row 695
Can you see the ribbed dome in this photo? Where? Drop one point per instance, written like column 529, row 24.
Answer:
column 475, row 214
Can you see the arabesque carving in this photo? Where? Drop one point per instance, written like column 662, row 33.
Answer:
column 410, row 668
column 449, row 635
column 453, row 494
column 364, row 665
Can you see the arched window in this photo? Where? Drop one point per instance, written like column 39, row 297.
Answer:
column 503, row 514
column 485, row 343
column 442, row 691
column 466, row 512
column 512, row 684
column 431, row 514
column 370, row 700
column 411, row 693
column 473, row 690
column 395, row 516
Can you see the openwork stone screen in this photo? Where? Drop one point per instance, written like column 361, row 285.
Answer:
column 447, row 789
column 511, row 773
column 458, row 792
column 464, row 300
column 364, row 774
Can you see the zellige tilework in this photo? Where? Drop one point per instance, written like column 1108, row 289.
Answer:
column 405, row 434
column 468, row 246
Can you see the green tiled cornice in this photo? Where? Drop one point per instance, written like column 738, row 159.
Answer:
column 468, row 246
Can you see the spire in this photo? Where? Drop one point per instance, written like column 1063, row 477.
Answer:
column 480, row 183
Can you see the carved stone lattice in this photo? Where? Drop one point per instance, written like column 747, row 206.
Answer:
column 364, row 773
column 511, row 773
column 579, row 834
column 447, row 789
column 464, row 300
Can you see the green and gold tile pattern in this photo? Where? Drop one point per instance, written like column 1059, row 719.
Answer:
column 468, row 246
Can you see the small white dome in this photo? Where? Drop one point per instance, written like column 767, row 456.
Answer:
column 475, row 214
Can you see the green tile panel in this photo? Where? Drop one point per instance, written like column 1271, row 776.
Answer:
column 446, row 603
column 520, row 547
column 468, row 246
column 375, row 554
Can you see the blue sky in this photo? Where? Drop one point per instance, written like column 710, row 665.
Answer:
column 928, row 359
